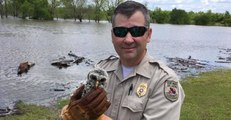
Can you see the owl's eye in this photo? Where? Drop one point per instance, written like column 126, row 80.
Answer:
column 103, row 79
column 93, row 77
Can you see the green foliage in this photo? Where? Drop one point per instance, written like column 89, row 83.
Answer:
column 26, row 9
column 102, row 10
column 99, row 6
column 227, row 19
column 178, row 16
column 207, row 96
column 41, row 10
column 202, row 19
column 109, row 13
column 90, row 12
column 160, row 16
column 80, row 9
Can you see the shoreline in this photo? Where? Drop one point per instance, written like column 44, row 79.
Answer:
column 16, row 110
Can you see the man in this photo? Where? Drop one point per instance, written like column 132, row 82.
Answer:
column 139, row 86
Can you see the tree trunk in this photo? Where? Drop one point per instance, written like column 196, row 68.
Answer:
column 6, row 11
column 1, row 10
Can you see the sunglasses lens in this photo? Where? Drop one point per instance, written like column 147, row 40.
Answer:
column 137, row 31
column 120, row 31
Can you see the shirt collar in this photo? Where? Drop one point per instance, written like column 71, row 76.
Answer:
column 142, row 69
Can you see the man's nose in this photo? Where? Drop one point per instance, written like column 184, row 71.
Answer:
column 128, row 38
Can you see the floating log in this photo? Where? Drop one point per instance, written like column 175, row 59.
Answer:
column 225, row 56
column 223, row 61
column 186, row 64
column 59, row 89
column 24, row 67
column 72, row 54
column 60, row 63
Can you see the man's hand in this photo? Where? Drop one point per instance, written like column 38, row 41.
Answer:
column 90, row 106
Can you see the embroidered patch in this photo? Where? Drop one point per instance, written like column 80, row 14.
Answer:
column 142, row 89
column 171, row 91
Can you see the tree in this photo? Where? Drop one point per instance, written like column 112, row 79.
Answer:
column 53, row 5
column 80, row 7
column 218, row 18
column 202, row 19
column 41, row 10
column 1, row 8
column 6, row 8
column 111, row 5
column 178, row 16
column 227, row 19
column 99, row 8
column 90, row 12
column 67, row 9
column 26, row 9
column 160, row 16
column 15, row 7
column 73, row 6
column 191, row 15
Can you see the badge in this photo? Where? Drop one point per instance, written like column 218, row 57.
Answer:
column 171, row 90
column 142, row 89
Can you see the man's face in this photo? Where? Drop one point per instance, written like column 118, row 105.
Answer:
column 131, row 48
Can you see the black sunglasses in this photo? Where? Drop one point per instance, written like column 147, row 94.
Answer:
column 136, row 31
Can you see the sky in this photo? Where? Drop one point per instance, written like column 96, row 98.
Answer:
column 217, row 6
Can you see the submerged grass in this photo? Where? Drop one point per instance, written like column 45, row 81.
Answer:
column 208, row 97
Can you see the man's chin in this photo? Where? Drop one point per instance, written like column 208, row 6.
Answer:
column 129, row 56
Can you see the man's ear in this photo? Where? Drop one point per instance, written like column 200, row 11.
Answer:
column 149, row 32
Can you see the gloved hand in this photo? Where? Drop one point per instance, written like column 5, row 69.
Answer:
column 89, row 107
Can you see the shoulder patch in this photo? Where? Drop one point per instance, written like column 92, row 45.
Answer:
column 171, row 90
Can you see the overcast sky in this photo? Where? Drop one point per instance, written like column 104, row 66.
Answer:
column 217, row 6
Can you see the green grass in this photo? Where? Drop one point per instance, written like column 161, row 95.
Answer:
column 208, row 97
column 33, row 112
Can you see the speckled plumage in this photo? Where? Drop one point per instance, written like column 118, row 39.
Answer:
column 95, row 78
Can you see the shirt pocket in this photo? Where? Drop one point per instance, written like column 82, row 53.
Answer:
column 133, row 103
column 133, row 108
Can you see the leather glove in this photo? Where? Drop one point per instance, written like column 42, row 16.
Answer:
column 90, row 107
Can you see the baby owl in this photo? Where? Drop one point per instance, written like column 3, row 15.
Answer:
column 95, row 78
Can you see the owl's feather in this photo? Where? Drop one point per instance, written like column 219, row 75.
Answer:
column 95, row 78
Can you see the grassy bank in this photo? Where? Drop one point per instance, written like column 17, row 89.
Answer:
column 208, row 97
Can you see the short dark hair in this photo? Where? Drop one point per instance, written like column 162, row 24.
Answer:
column 128, row 8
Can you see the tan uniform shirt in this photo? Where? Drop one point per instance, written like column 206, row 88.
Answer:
column 151, row 92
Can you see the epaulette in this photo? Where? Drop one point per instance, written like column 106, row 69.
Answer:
column 163, row 66
column 112, row 57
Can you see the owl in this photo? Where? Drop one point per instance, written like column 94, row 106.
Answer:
column 95, row 78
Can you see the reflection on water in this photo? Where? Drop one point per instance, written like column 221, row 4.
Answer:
column 43, row 41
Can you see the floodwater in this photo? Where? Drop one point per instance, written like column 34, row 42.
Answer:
column 42, row 41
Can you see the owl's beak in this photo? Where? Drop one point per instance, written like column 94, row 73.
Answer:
column 97, row 83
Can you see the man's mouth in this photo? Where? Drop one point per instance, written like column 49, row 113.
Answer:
column 128, row 49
